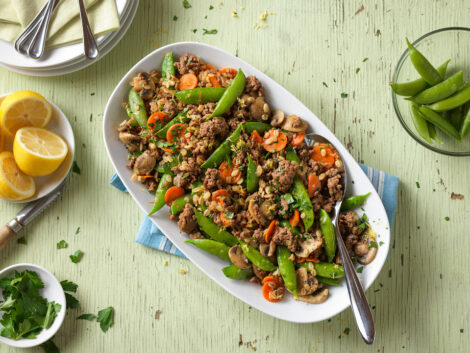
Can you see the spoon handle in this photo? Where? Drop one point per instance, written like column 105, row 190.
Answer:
column 359, row 305
column 89, row 42
column 36, row 49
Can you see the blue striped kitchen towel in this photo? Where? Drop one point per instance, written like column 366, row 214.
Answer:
column 149, row 234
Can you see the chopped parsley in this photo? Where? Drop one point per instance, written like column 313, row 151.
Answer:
column 76, row 256
column 75, row 168
column 175, row 18
column 381, row 243
column 357, row 70
column 344, row 95
column 105, row 318
column 365, row 59
column 288, row 198
column 378, row 32
column 77, row 231
column 360, row 269
column 447, row 218
column 88, row 317
column 62, row 244
column 373, row 244
column 417, row 185
column 186, row 4
column 211, row 7
column 22, row 240
column 69, row 286
column 209, row 31
column 194, row 30
column 229, row 215
column 324, row 84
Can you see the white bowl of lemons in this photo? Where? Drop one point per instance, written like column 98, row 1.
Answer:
column 36, row 146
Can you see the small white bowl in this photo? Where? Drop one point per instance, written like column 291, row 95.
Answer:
column 61, row 126
column 52, row 291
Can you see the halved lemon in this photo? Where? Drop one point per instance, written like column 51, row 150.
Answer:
column 14, row 184
column 24, row 108
column 38, row 151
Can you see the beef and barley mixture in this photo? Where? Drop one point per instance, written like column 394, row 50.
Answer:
column 240, row 178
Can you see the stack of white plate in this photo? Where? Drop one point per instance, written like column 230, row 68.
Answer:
column 70, row 58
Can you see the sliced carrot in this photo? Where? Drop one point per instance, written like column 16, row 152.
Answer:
column 173, row 193
column 177, row 130
column 154, row 118
column 229, row 70
column 295, row 219
column 297, row 139
column 274, row 140
column 166, row 149
column 255, row 137
column 226, row 172
column 219, row 195
column 299, row 260
column 268, row 234
column 210, row 67
column 313, row 184
column 225, row 221
column 145, row 176
column 312, row 259
column 271, row 284
column 214, row 81
column 188, row 81
column 324, row 154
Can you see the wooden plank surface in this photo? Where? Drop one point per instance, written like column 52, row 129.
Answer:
column 420, row 300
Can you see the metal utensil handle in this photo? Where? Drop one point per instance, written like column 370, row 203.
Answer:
column 36, row 49
column 359, row 305
column 89, row 42
column 7, row 234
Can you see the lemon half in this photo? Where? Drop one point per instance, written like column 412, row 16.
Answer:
column 37, row 151
column 14, row 184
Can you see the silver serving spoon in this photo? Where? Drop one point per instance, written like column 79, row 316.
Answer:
column 36, row 48
column 359, row 305
column 89, row 42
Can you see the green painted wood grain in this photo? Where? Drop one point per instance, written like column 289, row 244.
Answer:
column 420, row 300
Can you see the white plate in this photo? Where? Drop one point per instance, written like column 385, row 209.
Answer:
column 52, row 291
column 80, row 63
column 56, row 56
column 61, row 126
column 278, row 97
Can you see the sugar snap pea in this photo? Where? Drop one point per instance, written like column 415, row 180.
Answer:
column 412, row 88
column 354, row 201
column 291, row 155
column 256, row 258
column 460, row 98
column 223, row 150
column 168, row 66
column 465, row 129
column 456, row 117
column 437, row 120
column 251, row 177
column 213, row 230
column 233, row 272
column 423, row 66
column 165, row 183
column 181, row 118
column 440, row 91
column 433, row 133
column 420, row 124
column 231, row 94
column 165, row 168
column 329, row 235
column 305, row 205
column 328, row 281
column 287, row 268
column 212, row 247
column 137, row 107
column 201, row 95
column 260, row 127
column 324, row 269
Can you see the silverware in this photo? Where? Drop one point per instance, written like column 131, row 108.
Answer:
column 26, row 215
column 359, row 305
column 89, row 42
column 36, row 48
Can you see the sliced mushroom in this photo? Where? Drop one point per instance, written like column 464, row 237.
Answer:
column 258, row 109
column 318, row 298
column 306, row 283
column 261, row 214
column 272, row 248
column 131, row 141
column 278, row 118
column 145, row 163
column 238, row 258
column 144, row 85
column 264, row 249
column 361, row 248
column 369, row 257
column 308, row 246
column 294, row 124
column 266, row 209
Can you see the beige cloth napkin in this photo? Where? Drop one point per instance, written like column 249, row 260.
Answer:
column 65, row 27
column 7, row 12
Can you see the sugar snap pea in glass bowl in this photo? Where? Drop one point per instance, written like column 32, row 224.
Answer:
column 437, row 46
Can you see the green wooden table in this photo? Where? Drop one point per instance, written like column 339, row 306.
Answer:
column 317, row 50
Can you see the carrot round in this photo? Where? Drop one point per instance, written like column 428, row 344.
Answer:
column 324, row 154
column 274, row 140
column 225, row 221
column 313, row 184
column 271, row 284
column 229, row 70
column 297, row 139
column 226, row 173
column 154, row 118
column 188, row 81
column 173, row 193
column 268, row 234
column 255, row 137
column 210, row 67
column 214, row 81
column 295, row 219
column 166, row 149
column 219, row 195
column 177, row 130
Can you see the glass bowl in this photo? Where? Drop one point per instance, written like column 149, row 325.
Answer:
column 437, row 46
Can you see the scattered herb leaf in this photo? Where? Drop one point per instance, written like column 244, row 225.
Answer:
column 417, row 185
column 22, row 240
column 357, row 70
column 211, row 7
column 186, row 4
column 77, row 231
column 324, row 84
column 365, row 59
column 175, row 18
column 373, row 244
column 88, row 317
column 447, row 218
column 344, row 95
column 208, row 31
column 105, row 318
column 75, row 168
column 68, row 286
column 76, row 256
column 72, row 302
column 194, row 30
column 360, row 269
column 62, row 244
column 50, row 347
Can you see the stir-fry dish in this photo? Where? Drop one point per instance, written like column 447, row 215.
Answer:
column 240, row 179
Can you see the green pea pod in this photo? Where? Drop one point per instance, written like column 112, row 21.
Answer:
column 354, row 201
column 423, row 66
column 456, row 117
column 230, row 95
column 458, row 99
column 329, row 235
column 181, row 118
column 328, row 281
column 233, row 272
column 251, row 177
column 256, row 126
column 165, row 183
column 223, row 150
column 256, row 258
column 287, row 268
column 137, row 107
column 412, row 88
column 305, row 205
column 440, row 122
column 201, row 95
column 433, row 133
column 440, row 91
column 178, row 205
column 420, row 124
column 465, row 129
column 324, row 269
column 294, row 230
column 214, row 231
column 168, row 66
column 212, row 247
column 291, row 155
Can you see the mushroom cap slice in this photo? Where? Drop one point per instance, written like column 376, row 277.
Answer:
column 294, row 124
column 306, row 283
column 369, row 257
column 308, row 246
column 318, row 298
column 278, row 118
column 238, row 258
